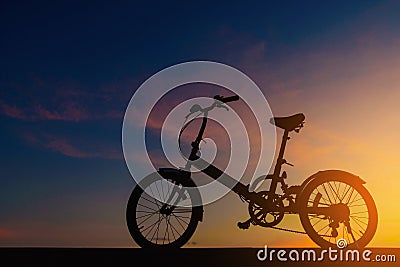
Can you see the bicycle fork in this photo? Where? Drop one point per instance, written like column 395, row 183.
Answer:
column 168, row 208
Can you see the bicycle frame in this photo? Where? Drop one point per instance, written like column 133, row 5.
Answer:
column 243, row 190
column 238, row 187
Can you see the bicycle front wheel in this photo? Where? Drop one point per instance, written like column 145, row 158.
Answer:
column 154, row 224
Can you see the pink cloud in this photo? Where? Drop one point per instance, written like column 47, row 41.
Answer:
column 71, row 113
column 46, row 114
column 64, row 147
column 69, row 102
column 12, row 111
column 67, row 149
column 75, row 113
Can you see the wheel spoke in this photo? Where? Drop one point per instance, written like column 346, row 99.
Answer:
column 145, row 220
column 322, row 197
column 180, row 216
column 144, row 206
column 327, row 230
column 330, row 201
column 323, row 228
column 182, row 220
column 178, row 222
column 338, row 191
column 153, row 202
column 145, row 211
column 358, row 205
column 170, row 189
column 360, row 217
column 322, row 204
column 151, row 225
column 151, row 213
column 166, row 231
column 355, row 200
column 335, row 195
column 320, row 220
column 158, row 206
column 346, row 189
column 158, row 232
column 357, row 221
column 158, row 191
column 173, row 228
column 176, row 210
column 351, row 200
column 359, row 212
column 351, row 194
column 162, row 190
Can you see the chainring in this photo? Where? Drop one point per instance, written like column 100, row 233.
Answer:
column 265, row 216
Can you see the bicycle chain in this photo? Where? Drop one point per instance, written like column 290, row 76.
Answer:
column 287, row 230
column 293, row 231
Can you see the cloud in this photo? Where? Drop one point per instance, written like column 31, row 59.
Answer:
column 71, row 112
column 68, row 112
column 64, row 147
column 12, row 111
column 67, row 149
column 41, row 100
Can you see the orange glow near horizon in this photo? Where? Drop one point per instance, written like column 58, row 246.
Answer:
column 351, row 125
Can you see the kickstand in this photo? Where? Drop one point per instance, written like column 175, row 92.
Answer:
column 351, row 232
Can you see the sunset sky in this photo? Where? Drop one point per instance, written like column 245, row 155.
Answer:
column 69, row 69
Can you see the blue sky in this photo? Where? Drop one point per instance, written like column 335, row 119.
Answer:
column 69, row 69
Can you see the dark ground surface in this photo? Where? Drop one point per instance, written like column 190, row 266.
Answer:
column 181, row 257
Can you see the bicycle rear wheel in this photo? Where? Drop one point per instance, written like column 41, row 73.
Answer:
column 154, row 224
column 353, row 215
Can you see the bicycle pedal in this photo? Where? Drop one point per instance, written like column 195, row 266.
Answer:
column 244, row 225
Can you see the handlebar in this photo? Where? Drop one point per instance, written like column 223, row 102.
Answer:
column 219, row 100
column 204, row 111
column 227, row 99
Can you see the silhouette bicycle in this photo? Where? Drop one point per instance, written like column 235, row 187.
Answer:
column 332, row 204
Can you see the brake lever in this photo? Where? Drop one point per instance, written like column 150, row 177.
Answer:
column 221, row 105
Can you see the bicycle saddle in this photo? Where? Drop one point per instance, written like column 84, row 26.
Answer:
column 288, row 123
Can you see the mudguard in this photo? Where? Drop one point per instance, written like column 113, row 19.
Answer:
column 180, row 175
column 184, row 177
column 325, row 173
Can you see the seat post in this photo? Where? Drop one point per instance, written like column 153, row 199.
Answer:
column 278, row 166
column 280, row 160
